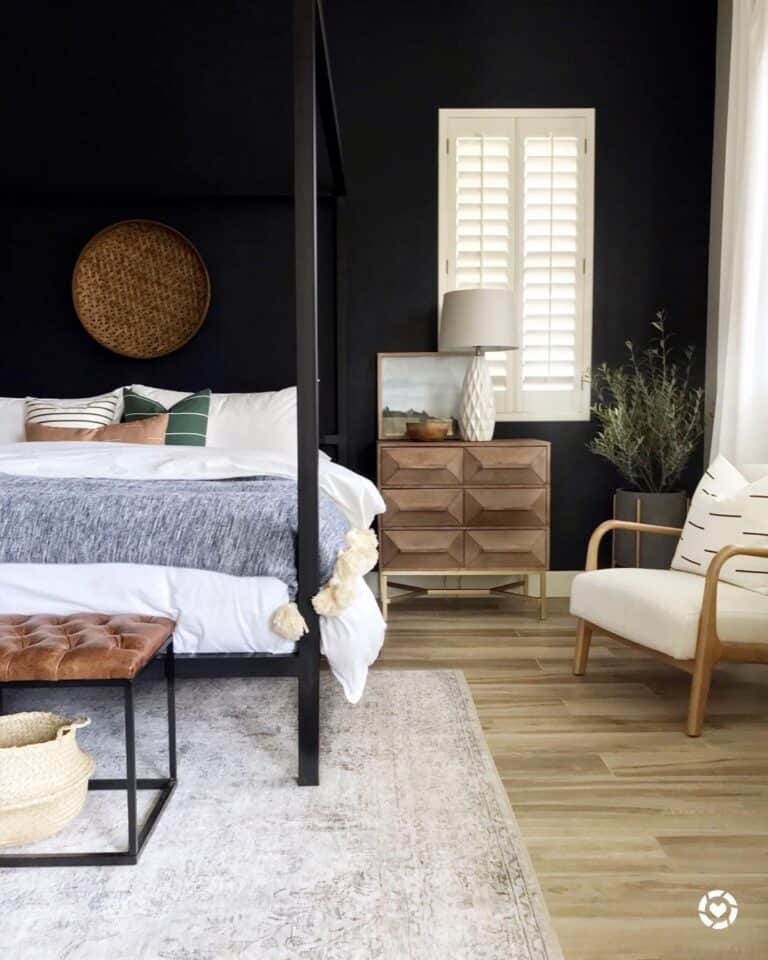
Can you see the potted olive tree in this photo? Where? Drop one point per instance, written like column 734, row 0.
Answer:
column 651, row 419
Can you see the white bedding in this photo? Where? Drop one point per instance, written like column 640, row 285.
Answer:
column 216, row 613
column 356, row 496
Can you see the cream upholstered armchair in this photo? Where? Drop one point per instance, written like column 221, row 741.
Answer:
column 690, row 621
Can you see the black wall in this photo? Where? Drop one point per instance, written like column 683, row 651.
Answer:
column 180, row 112
column 647, row 68
column 247, row 341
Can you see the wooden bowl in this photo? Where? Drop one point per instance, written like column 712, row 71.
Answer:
column 427, row 430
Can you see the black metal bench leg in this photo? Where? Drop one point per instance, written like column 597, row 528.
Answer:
column 130, row 769
column 131, row 784
column 170, row 681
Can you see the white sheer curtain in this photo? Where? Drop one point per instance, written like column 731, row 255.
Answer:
column 741, row 412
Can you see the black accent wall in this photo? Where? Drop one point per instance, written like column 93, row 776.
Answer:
column 180, row 112
column 248, row 340
column 648, row 70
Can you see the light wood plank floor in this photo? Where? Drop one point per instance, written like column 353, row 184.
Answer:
column 628, row 820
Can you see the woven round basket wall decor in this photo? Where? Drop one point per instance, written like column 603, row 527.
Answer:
column 141, row 289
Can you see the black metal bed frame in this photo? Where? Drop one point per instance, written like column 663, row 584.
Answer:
column 162, row 663
column 313, row 95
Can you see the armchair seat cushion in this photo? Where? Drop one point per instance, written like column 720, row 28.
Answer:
column 660, row 609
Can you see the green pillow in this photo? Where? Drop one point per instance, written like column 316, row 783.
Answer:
column 187, row 419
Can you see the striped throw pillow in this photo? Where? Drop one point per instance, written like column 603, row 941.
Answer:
column 187, row 419
column 726, row 509
column 80, row 414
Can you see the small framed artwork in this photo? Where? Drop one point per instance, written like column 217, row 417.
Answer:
column 415, row 387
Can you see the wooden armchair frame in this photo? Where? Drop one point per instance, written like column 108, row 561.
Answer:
column 710, row 649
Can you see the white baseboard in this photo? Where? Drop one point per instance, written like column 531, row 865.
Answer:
column 558, row 582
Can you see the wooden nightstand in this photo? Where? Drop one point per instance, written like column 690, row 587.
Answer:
column 464, row 509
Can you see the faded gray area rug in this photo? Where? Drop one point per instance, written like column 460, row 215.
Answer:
column 408, row 850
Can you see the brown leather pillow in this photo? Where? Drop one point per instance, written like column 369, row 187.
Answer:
column 151, row 430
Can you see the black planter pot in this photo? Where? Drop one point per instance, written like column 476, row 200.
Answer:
column 647, row 550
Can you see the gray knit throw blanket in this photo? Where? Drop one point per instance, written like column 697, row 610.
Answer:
column 246, row 528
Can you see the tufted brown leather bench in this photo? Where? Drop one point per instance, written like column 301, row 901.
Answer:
column 82, row 646
column 94, row 649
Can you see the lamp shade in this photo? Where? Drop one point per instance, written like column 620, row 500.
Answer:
column 479, row 317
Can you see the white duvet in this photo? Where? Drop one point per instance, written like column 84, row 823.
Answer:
column 215, row 612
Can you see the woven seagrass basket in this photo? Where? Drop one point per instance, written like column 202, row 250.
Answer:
column 43, row 775
column 141, row 289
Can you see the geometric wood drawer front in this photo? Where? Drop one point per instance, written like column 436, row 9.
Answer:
column 505, row 507
column 423, row 507
column 505, row 549
column 422, row 549
column 420, row 465
column 522, row 466
column 467, row 508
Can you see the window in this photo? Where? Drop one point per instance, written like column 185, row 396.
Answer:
column 516, row 210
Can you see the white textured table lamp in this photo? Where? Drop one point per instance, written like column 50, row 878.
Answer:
column 478, row 319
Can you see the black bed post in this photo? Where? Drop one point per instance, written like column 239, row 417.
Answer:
column 305, row 220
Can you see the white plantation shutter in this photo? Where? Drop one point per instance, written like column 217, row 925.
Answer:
column 484, row 224
column 483, row 187
column 516, row 212
column 552, row 263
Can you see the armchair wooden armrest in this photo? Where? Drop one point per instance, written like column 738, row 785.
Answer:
column 608, row 525
column 708, row 621
column 709, row 647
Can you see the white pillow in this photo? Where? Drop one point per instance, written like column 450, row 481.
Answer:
column 754, row 471
column 246, row 421
column 11, row 419
column 726, row 509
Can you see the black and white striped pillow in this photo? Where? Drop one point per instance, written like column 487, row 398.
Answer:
column 92, row 412
column 726, row 509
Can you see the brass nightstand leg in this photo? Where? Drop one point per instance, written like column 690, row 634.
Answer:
column 384, row 600
column 542, row 596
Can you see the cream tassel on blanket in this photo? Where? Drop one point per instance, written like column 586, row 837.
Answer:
column 360, row 556
column 288, row 623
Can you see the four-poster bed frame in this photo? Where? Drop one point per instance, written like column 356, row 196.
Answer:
column 313, row 94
